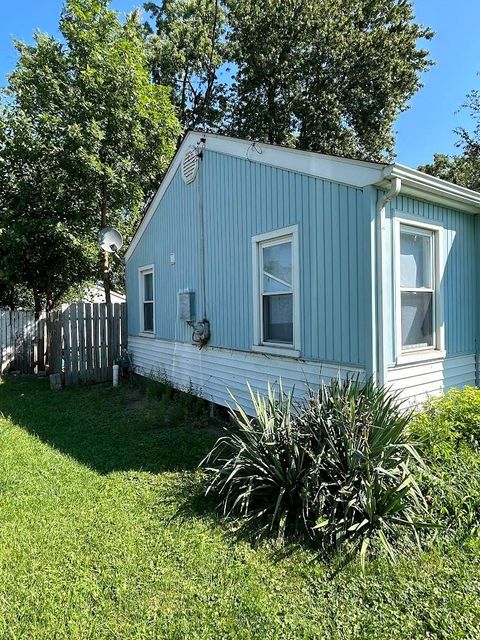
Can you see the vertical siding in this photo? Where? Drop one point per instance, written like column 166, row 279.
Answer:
column 458, row 287
column 242, row 199
column 173, row 228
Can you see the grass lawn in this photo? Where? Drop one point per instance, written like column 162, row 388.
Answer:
column 104, row 534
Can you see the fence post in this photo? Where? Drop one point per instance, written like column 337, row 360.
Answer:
column 55, row 341
column 41, row 322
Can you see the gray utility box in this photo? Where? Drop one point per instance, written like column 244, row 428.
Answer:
column 186, row 306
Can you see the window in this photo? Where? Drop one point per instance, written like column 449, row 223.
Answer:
column 275, row 273
column 418, row 284
column 147, row 300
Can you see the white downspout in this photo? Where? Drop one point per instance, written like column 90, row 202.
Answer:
column 381, row 284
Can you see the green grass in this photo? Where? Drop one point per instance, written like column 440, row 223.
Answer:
column 104, row 534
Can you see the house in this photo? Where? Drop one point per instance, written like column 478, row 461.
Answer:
column 257, row 262
column 95, row 292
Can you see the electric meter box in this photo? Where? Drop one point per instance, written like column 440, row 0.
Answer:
column 186, row 306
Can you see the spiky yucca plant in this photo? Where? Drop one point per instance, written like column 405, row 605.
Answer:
column 258, row 467
column 360, row 484
column 336, row 468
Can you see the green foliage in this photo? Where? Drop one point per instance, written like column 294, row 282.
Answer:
column 447, row 429
column 337, row 469
column 181, row 406
column 85, row 138
column 462, row 170
column 188, row 51
column 329, row 76
column 108, row 505
column 448, row 423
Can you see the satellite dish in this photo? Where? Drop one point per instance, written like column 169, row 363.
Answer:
column 110, row 240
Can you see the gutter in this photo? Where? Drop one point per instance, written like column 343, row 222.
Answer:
column 380, row 375
column 420, row 183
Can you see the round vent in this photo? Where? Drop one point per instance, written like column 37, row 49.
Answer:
column 190, row 167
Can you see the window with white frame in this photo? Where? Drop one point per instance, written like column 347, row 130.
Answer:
column 276, row 274
column 418, row 284
column 147, row 300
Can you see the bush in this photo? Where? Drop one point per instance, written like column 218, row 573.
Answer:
column 336, row 469
column 447, row 430
column 446, row 424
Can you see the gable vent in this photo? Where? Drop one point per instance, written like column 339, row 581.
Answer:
column 190, row 166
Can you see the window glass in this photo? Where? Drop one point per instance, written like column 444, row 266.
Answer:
column 277, row 268
column 415, row 260
column 148, row 300
column 148, row 286
column 417, row 319
column 148, row 316
column 278, row 318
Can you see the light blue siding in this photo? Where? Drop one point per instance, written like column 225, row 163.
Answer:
column 242, row 199
column 173, row 229
column 458, row 287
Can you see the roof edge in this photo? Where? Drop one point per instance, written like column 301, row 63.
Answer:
column 424, row 183
column 356, row 173
column 155, row 201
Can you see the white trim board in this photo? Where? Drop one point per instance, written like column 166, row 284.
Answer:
column 356, row 173
column 143, row 271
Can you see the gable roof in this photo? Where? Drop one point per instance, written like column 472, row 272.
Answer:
column 357, row 173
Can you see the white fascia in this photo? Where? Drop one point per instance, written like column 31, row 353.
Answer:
column 422, row 185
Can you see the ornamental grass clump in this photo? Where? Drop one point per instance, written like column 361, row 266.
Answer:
column 336, row 469
column 258, row 468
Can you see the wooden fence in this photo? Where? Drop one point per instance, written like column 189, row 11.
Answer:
column 85, row 341
column 22, row 342
column 81, row 342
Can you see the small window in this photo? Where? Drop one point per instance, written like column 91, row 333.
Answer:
column 147, row 300
column 277, row 292
column 417, row 288
column 275, row 289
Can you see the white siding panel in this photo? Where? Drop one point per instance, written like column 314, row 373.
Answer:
column 215, row 372
column 415, row 383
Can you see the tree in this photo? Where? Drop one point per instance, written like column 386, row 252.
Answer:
column 329, row 75
column 129, row 123
column 84, row 141
column 325, row 75
column 45, row 243
column 457, row 169
column 463, row 169
column 188, row 52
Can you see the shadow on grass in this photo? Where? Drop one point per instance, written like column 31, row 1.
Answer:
column 120, row 429
column 103, row 428
column 193, row 503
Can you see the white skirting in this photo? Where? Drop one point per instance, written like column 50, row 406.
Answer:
column 417, row 382
column 214, row 371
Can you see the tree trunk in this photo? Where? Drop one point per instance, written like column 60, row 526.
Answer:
column 38, row 303
column 104, row 259
column 106, row 277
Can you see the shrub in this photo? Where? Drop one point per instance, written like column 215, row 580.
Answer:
column 447, row 423
column 447, row 429
column 258, row 467
column 336, row 469
column 361, row 482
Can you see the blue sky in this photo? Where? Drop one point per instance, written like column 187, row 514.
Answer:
column 425, row 128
